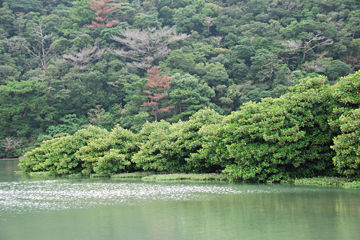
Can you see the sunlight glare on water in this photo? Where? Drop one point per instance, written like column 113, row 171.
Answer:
column 65, row 194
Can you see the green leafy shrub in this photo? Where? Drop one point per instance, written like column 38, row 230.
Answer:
column 276, row 139
column 58, row 155
column 347, row 143
column 170, row 147
column 110, row 154
column 190, row 141
column 154, row 139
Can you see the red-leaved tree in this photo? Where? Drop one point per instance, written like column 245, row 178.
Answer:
column 160, row 84
column 102, row 9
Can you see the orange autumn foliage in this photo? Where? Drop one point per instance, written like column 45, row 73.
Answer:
column 102, row 9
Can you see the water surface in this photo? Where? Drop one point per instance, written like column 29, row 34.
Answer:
column 55, row 208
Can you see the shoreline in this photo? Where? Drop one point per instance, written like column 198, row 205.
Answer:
column 5, row 159
column 211, row 177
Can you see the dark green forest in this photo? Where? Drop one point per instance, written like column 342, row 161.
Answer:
column 80, row 70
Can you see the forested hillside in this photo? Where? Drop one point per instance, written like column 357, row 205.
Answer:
column 65, row 64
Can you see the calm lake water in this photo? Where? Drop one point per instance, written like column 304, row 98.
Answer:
column 51, row 209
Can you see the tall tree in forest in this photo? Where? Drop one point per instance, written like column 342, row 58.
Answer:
column 102, row 9
column 188, row 96
column 160, row 84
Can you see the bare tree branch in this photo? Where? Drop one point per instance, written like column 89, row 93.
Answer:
column 217, row 40
column 208, row 22
column 43, row 52
column 86, row 55
column 10, row 144
column 310, row 42
column 144, row 47
column 293, row 45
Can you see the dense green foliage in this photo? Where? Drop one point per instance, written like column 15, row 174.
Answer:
column 281, row 138
column 59, row 155
column 347, row 143
column 312, row 131
column 235, row 52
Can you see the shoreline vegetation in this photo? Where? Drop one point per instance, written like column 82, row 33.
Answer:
column 211, row 177
column 311, row 133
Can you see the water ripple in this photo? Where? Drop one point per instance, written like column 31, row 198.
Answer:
column 61, row 194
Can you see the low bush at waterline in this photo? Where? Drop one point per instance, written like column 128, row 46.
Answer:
column 329, row 181
column 184, row 176
column 132, row 175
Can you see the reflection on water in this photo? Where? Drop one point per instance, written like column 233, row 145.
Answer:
column 113, row 209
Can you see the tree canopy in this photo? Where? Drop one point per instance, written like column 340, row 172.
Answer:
column 58, row 75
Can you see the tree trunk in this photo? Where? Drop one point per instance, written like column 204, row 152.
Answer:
column 182, row 117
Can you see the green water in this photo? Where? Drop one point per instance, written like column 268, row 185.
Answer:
column 52, row 209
